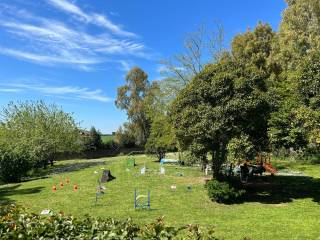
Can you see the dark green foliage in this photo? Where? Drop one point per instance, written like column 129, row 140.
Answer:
column 309, row 81
column 284, row 129
column 110, row 145
column 223, row 192
column 92, row 140
column 13, row 165
column 162, row 138
column 224, row 101
column 17, row 224
column 125, row 136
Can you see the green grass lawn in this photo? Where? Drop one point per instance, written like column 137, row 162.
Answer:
column 288, row 211
column 107, row 138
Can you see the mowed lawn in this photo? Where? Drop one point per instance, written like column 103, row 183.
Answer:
column 286, row 213
column 107, row 138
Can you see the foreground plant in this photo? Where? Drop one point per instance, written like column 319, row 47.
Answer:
column 16, row 223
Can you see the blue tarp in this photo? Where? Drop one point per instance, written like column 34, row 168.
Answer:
column 164, row 160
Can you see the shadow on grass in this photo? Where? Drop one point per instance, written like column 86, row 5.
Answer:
column 6, row 192
column 72, row 167
column 63, row 168
column 282, row 189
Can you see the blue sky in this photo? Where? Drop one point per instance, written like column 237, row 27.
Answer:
column 76, row 53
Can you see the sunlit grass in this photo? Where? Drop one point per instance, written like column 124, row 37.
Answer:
column 296, row 219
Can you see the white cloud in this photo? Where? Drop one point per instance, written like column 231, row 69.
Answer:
column 68, row 7
column 81, row 61
column 94, row 18
column 64, row 91
column 52, row 42
column 10, row 90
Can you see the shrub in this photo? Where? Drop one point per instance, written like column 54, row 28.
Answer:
column 110, row 145
column 17, row 224
column 223, row 192
column 13, row 165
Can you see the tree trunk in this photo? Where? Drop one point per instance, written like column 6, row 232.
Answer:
column 45, row 162
column 218, row 158
column 216, row 164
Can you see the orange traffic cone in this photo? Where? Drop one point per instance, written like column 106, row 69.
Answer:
column 67, row 180
column 75, row 187
column 61, row 184
column 54, row 188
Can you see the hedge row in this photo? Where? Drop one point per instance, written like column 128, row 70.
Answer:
column 16, row 223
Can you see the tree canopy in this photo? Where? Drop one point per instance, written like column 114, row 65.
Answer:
column 131, row 98
column 225, row 100
column 40, row 130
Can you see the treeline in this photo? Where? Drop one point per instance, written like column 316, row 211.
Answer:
column 34, row 134
column 261, row 95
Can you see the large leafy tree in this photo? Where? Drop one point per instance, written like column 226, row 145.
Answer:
column 225, row 100
column 295, row 124
column 39, row 130
column 298, row 33
column 131, row 98
column 125, row 135
column 254, row 48
column 162, row 137
column 92, row 140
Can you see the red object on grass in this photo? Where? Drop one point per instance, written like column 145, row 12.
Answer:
column 269, row 168
column 54, row 188
column 75, row 187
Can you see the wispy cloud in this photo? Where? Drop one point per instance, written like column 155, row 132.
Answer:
column 62, row 91
column 10, row 90
column 93, row 18
column 48, row 59
column 52, row 42
column 125, row 65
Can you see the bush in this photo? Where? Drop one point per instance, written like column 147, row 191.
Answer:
column 223, row 192
column 111, row 145
column 17, row 224
column 13, row 165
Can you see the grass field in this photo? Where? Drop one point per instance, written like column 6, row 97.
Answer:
column 288, row 211
column 107, row 138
